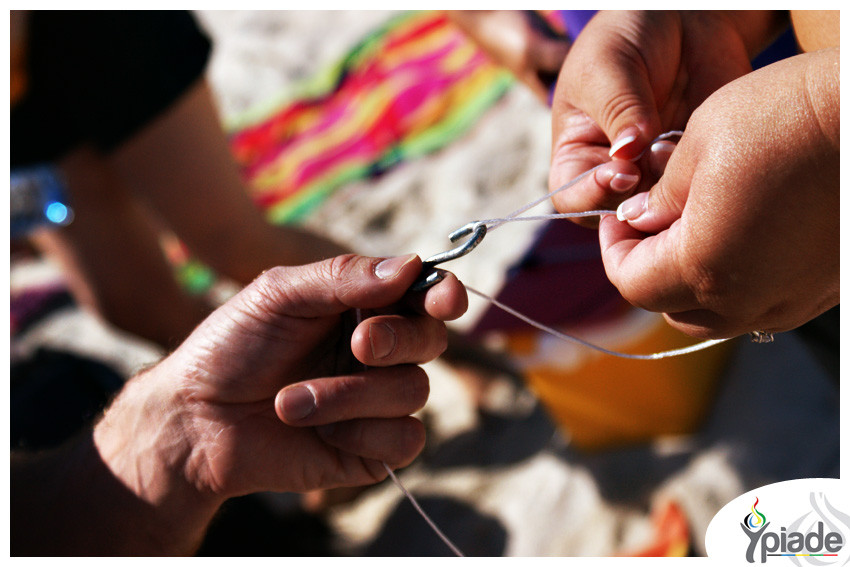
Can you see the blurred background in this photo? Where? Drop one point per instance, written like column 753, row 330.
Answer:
column 421, row 132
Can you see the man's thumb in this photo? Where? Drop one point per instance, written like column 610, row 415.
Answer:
column 335, row 285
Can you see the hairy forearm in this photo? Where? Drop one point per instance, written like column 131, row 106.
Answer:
column 120, row 489
column 68, row 502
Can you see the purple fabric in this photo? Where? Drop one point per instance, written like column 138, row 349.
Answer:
column 29, row 306
column 575, row 20
column 560, row 280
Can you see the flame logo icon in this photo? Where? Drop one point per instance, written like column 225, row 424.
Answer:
column 755, row 519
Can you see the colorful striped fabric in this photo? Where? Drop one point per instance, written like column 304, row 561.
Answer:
column 405, row 90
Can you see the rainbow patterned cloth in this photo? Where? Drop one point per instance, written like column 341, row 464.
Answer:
column 407, row 89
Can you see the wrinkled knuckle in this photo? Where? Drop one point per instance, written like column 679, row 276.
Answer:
column 709, row 286
column 342, row 394
column 340, row 271
column 617, row 105
column 638, row 296
column 622, row 57
column 271, row 280
column 269, row 289
column 665, row 199
column 338, row 268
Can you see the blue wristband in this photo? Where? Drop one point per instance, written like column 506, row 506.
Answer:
column 39, row 198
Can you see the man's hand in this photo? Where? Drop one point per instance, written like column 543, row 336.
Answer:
column 271, row 391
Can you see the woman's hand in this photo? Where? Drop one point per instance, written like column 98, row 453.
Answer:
column 629, row 77
column 741, row 233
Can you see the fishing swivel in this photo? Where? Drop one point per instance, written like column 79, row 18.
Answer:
column 430, row 275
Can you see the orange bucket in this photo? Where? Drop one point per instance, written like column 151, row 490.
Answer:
column 603, row 401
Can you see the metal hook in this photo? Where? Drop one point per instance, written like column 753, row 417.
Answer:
column 429, row 275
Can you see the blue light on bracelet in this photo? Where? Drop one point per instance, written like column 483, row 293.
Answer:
column 57, row 213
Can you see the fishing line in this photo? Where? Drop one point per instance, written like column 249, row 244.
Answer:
column 574, row 339
column 495, row 223
column 575, row 180
column 358, row 318
column 422, row 513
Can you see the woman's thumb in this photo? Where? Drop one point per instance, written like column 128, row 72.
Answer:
column 654, row 210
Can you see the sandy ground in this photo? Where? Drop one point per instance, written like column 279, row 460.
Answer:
column 499, row 480
column 499, row 165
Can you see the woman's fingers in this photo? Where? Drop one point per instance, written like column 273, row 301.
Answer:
column 604, row 189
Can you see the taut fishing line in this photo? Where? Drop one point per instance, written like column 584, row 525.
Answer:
column 495, row 223
column 358, row 318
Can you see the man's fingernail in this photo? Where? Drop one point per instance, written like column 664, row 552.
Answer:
column 625, row 138
column 623, row 182
column 632, row 208
column 298, row 403
column 382, row 340
column 388, row 268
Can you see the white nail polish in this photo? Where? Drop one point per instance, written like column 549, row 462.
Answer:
column 622, row 182
column 621, row 143
column 663, row 146
column 631, row 209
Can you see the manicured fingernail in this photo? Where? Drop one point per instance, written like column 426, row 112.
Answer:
column 298, row 403
column 660, row 153
column 391, row 266
column 632, row 208
column 382, row 340
column 623, row 182
column 625, row 138
column 663, row 146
